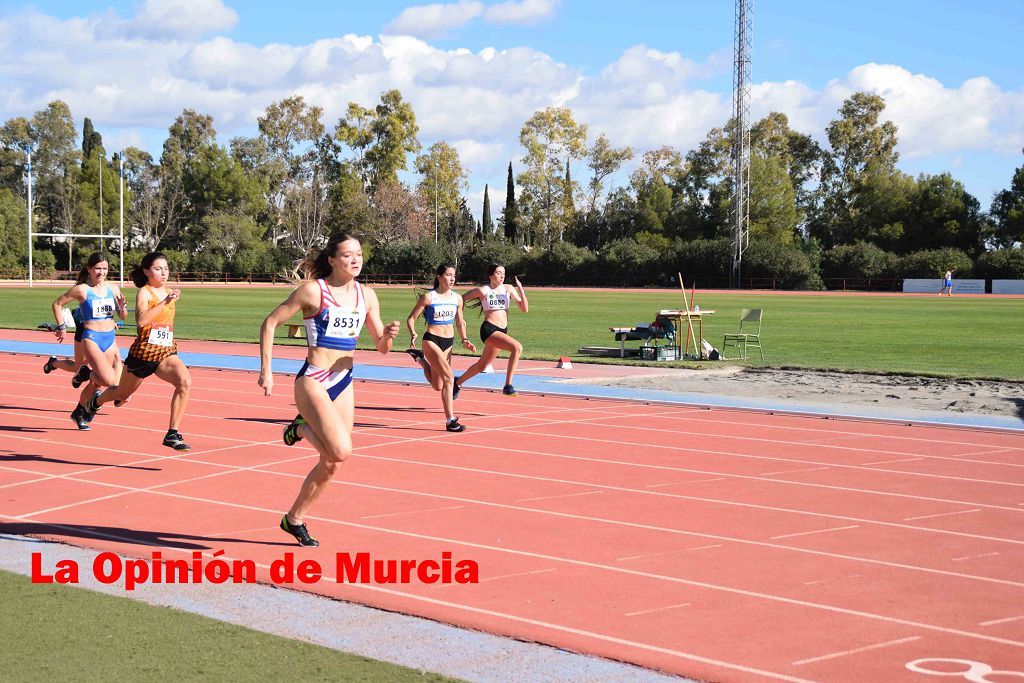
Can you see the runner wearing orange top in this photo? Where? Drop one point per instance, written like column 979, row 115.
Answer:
column 154, row 351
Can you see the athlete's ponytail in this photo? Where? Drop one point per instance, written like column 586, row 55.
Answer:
column 138, row 275
column 316, row 264
column 438, row 272
column 94, row 258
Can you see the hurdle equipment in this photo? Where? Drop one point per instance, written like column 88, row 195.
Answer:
column 564, row 363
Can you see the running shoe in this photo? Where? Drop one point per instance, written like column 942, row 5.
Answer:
column 92, row 407
column 456, row 389
column 174, row 440
column 510, row 390
column 48, row 365
column 454, row 426
column 78, row 417
column 81, row 377
column 299, row 532
column 291, row 432
column 415, row 353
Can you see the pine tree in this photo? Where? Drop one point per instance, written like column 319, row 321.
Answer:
column 487, row 225
column 509, row 215
column 91, row 140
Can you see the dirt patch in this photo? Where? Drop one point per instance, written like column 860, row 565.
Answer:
column 980, row 397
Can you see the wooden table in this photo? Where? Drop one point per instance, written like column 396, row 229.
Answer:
column 681, row 320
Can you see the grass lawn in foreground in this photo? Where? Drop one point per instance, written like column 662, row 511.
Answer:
column 53, row 632
column 943, row 336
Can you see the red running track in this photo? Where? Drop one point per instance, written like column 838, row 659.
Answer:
column 717, row 544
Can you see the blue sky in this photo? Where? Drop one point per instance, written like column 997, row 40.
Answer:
column 644, row 72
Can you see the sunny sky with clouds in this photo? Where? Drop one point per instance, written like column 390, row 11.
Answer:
column 645, row 72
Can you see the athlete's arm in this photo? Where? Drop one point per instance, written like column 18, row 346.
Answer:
column 76, row 293
column 475, row 293
column 120, row 302
column 383, row 335
column 519, row 294
column 410, row 322
column 302, row 297
column 460, row 325
column 146, row 308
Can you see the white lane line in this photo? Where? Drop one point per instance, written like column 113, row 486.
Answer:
column 889, row 462
column 413, row 512
column 806, row 469
column 972, row 557
column 942, row 514
column 688, row 481
column 866, row 648
column 509, row 576
column 561, row 495
column 657, row 609
column 667, row 552
column 819, row 531
column 1007, row 620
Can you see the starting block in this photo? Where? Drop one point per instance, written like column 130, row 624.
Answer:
column 564, row 363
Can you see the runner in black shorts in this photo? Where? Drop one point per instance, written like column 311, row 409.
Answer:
column 494, row 299
column 442, row 308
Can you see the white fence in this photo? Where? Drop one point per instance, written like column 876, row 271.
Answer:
column 1008, row 286
column 933, row 285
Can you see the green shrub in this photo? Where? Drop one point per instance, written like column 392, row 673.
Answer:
column 1001, row 264
column 933, row 263
column 861, row 259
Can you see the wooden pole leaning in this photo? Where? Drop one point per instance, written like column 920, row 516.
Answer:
column 689, row 320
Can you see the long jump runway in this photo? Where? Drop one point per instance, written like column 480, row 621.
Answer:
column 718, row 544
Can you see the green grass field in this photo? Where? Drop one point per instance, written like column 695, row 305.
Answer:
column 55, row 632
column 949, row 337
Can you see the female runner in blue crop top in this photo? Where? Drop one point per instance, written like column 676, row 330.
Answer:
column 441, row 306
column 335, row 307
column 99, row 301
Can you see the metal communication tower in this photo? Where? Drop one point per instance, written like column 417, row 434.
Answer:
column 744, row 32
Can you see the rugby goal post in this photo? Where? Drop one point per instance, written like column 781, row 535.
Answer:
column 119, row 236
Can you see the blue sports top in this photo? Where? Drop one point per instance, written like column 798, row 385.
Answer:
column 441, row 308
column 333, row 326
column 97, row 307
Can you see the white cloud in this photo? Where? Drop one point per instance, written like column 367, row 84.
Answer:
column 434, row 21
column 180, row 19
column 478, row 99
column 521, row 11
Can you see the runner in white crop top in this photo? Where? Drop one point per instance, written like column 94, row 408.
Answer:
column 494, row 298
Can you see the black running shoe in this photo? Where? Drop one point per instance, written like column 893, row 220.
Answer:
column 81, row 377
column 48, row 365
column 415, row 353
column 78, row 417
column 454, row 426
column 456, row 389
column 174, row 440
column 291, row 432
column 92, row 407
column 510, row 390
column 299, row 532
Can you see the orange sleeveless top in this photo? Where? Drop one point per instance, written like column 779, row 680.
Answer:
column 155, row 341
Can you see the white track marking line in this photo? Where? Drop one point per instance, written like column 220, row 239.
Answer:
column 657, row 609
column 817, row 531
column 973, row 557
column 808, row 469
column 562, row 495
column 866, row 648
column 667, row 552
column 890, row 462
column 413, row 512
column 509, row 576
column 1000, row 621
column 688, row 481
column 941, row 514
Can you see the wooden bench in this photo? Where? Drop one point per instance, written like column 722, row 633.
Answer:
column 296, row 331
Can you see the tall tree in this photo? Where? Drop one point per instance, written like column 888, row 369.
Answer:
column 486, row 224
column 603, row 161
column 552, row 139
column 442, row 181
column 509, row 219
column 859, row 141
column 1008, row 212
column 381, row 140
column 292, row 134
